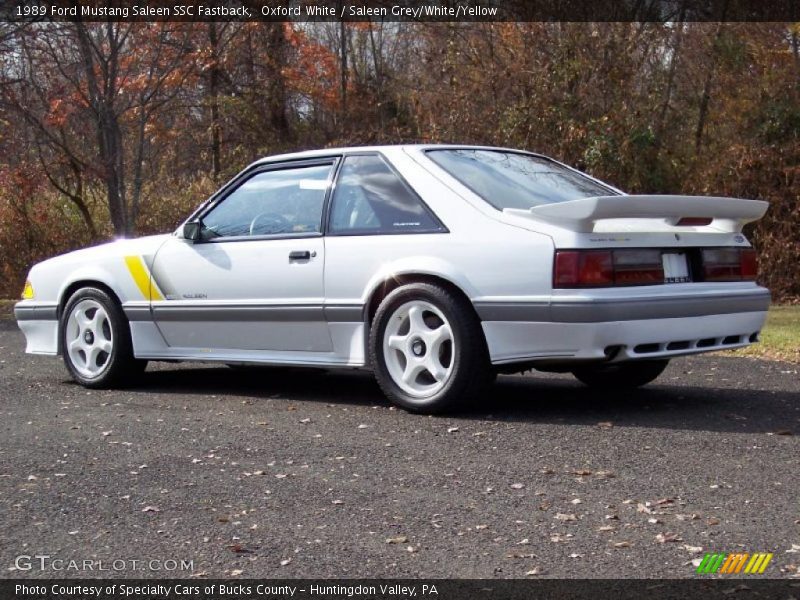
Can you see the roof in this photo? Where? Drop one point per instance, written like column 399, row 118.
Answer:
column 381, row 148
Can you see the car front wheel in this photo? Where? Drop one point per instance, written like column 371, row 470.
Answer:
column 96, row 340
column 621, row 375
column 427, row 349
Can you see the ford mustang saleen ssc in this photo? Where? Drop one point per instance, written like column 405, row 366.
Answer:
column 435, row 266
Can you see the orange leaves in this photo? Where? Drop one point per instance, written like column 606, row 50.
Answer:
column 314, row 70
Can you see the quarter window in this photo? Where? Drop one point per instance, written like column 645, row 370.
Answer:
column 371, row 199
column 282, row 201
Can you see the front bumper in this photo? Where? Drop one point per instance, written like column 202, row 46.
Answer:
column 39, row 323
column 604, row 328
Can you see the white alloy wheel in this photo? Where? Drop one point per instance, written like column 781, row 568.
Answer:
column 89, row 338
column 418, row 348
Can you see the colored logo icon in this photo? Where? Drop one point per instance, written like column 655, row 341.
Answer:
column 733, row 563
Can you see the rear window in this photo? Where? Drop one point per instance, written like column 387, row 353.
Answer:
column 514, row 180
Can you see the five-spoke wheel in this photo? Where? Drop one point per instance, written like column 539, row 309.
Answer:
column 418, row 348
column 427, row 348
column 96, row 340
column 89, row 337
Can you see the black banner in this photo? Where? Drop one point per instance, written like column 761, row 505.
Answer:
column 437, row 589
column 401, row 10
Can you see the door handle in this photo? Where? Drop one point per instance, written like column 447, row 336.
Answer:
column 300, row 255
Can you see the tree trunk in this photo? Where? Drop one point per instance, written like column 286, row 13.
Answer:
column 278, row 101
column 109, row 137
column 213, row 99
column 343, row 69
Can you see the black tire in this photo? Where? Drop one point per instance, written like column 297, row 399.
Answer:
column 626, row 375
column 119, row 367
column 470, row 372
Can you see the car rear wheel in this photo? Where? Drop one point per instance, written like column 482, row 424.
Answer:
column 96, row 340
column 427, row 349
column 621, row 375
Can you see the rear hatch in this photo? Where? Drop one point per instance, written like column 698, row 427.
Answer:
column 627, row 240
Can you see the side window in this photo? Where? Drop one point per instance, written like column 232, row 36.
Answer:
column 272, row 202
column 371, row 199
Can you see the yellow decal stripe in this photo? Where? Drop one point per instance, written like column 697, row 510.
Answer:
column 764, row 564
column 141, row 277
column 752, row 562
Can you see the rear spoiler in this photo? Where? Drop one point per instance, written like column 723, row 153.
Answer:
column 727, row 214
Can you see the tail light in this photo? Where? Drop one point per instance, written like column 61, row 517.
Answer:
column 729, row 264
column 606, row 268
column 580, row 268
column 638, row 267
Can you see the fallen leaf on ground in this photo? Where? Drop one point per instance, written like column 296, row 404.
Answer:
column 566, row 517
column 400, row 539
column 663, row 538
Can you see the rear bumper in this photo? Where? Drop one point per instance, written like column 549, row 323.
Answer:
column 598, row 309
column 582, row 329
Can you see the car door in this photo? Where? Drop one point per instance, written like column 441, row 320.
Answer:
column 254, row 279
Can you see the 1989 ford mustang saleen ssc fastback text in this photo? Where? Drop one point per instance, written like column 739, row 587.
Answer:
column 435, row 266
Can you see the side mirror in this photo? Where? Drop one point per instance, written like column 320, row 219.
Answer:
column 192, row 230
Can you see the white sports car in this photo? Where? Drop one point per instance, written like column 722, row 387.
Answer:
column 435, row 266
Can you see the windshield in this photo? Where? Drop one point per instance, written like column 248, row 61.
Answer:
column 514, row 180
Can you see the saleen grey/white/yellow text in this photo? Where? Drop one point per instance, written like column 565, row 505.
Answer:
column 435, row 266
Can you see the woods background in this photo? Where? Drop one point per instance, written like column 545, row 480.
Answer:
column 110, row 129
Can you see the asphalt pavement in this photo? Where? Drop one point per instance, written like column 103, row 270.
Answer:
column 295, row 473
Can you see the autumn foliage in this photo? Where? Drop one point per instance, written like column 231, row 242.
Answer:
column 120, row 129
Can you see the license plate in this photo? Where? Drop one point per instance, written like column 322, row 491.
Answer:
column 676, row 269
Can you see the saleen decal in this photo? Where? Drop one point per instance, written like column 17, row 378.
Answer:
column 141, row 276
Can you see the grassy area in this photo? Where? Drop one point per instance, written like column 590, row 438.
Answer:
column 780, row 338
column 7, row 309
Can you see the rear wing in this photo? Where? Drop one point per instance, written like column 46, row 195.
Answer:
column 726, row 214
